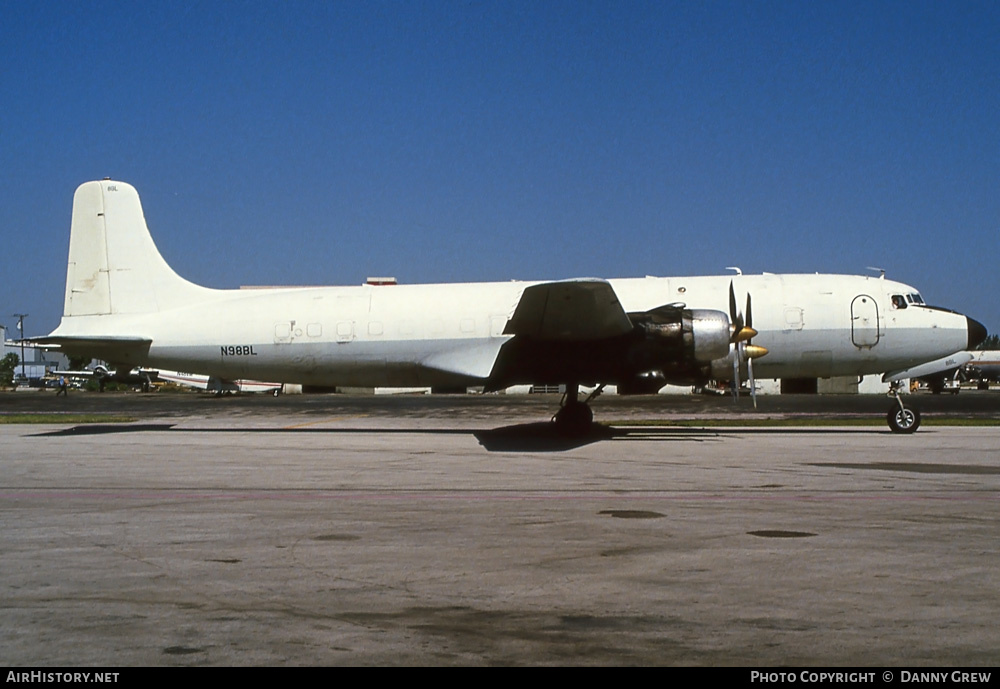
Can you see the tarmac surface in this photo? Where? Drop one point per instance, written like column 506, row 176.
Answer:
column 331, row 530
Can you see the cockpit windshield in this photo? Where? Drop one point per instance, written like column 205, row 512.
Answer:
column 900, row 301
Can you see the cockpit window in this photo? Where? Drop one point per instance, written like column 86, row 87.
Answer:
column 915, row 298
column 898, row 302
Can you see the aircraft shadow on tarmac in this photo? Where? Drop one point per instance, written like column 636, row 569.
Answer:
column 539, row 437
column 530, row 437
column 527, row 437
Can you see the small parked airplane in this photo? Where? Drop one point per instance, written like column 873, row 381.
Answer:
column 125, row 304
column 218, row 385
column 102, row 374
column 985, row 365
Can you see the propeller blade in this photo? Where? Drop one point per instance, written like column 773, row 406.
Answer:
column 736, row 372
column 735, row 318
column 743, row 332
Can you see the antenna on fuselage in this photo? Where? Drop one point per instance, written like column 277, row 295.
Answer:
column 736, row 268
column 881, row 272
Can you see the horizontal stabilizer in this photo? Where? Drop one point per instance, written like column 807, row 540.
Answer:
column 103, row 347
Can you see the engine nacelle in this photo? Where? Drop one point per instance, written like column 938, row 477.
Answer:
column 701, row 335
column 722, row 368
column 710, row 334
column 678, row 344
column 648, row 383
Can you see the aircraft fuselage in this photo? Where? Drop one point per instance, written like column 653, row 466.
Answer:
column 420, row 335
column 124, row 304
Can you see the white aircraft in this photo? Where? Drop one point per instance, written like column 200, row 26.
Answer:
column 986, row 367
column 218, row 385
column 125, row 304
column 134, row 376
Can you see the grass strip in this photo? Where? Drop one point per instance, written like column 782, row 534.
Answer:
column 799, row 422
column 51, row 418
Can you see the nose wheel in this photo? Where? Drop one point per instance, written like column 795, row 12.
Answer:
column 902, row 419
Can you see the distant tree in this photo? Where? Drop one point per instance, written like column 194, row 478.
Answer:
column 991, row 342
column 7, row 366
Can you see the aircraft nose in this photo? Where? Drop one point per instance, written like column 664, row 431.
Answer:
column 977, row 333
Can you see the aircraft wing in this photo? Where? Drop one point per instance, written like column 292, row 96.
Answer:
column 193, row 380
column 569, row 310
column 476, row 361
column 121, row 375
column 83, row 373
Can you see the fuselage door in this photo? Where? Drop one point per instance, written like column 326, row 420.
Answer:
column 864, row 321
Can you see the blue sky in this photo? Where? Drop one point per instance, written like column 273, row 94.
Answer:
column 322, row 142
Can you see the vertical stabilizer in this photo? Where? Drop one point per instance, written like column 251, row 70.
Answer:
column 114, row 266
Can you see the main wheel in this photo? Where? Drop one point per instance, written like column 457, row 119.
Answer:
column 903, row 420
column 575, row 418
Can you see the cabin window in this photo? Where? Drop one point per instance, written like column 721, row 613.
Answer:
column 345, row 331
column 793, row 318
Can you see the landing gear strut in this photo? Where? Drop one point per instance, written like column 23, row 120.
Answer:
column 575, row 417
column 901, row 419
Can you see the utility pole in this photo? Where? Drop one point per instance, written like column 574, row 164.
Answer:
column 20, row 327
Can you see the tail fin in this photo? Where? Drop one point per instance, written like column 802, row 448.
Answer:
column 114, row 266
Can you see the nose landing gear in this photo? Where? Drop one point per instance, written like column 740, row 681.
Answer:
column 901, row 419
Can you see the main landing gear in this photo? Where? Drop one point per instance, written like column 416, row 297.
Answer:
column 901, row 419
column 575, row 417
